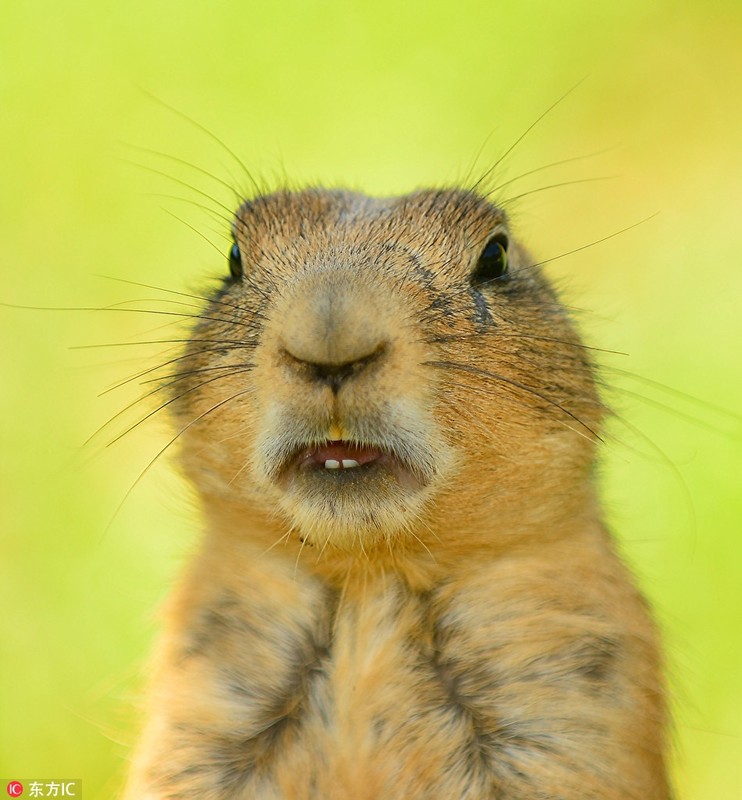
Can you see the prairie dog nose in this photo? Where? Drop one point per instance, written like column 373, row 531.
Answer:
column 333, row 333
column 334, row 375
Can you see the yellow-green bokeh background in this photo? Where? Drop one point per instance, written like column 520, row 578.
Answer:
column 383, row 96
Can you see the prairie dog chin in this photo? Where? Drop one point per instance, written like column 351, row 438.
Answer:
column 405, row 590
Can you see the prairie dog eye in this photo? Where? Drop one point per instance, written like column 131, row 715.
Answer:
column 493, row 261
column 235, row 262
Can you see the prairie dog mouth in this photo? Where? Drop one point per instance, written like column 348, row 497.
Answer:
column 371, row 484
column 342, row 460
column 338, row 455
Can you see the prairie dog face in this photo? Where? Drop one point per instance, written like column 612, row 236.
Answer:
column 373, row 365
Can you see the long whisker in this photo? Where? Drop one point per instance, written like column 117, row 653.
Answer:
column 243, row 366
column 182, row 161
column 445, row 338
column 675, row 392
column 172, row 441
column 199, row 232
column 210, row 134
column 544, row 167
column 515, row 384
column 486, row 432
column 167, row 363
column 156, row 341
column 676, row 412
column 470, row 172
column 212, row 212
column 668, row 462
column 509, row 200
column 177, row 377
column 143, row 300
column 180, row 182
column 174, row 399
column 523, row 135
column 590, row 244
column 117, row 308
column 536, row 264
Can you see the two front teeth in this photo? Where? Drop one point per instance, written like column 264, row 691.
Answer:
column 346, row 463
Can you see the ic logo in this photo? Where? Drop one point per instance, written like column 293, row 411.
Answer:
column 15, row 788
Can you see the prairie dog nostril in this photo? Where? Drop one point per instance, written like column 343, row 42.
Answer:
column 335, row 374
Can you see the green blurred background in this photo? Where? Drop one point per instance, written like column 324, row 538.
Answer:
column 384, row 97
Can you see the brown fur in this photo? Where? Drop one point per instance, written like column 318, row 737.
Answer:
column 459, row 629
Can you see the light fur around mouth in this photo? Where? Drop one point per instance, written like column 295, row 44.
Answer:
column 284, row 457
column 395, row 477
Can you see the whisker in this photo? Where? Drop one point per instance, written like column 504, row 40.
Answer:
column 228, row 220
column 409, row 529
column 487, row 432
column 523, row 135
column 303, row 541
column 237, row 474
column 576, row 182
column 183, row 162
column 322, row 549
column 536, row 264
column 590, row 244
column 487, row 392
column 676, row 412
column 199, row 232
column 143, row 300
column 173, row 400
column 210, row 134
column 118, row 414
column 172, row 441
column 509, row 381
column 283, row 538
column 150, row 370
column 240, row 367
column 667, row 462
column 689, row 398
column 544, row 167
column 117, row 308
column 148, row 342
column 445, row 338
column 180, row 182
column 468, row 175
column 186, row 373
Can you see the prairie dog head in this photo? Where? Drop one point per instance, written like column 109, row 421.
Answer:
column 377, row 369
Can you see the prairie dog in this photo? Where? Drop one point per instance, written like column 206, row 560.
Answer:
column 405, row 590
